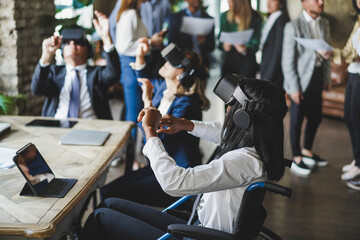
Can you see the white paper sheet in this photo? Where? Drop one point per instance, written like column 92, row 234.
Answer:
column 196, row 26
column 6, row 156
column 314, row 44
column 241, row 37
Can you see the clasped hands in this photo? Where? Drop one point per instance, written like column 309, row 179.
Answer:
column 153, row 123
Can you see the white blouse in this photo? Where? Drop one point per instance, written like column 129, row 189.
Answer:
column 223, row 181
column 129, row 29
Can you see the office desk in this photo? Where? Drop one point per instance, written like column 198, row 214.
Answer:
column 50, row 218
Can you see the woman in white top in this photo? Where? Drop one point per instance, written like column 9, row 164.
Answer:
column 251, row 149
column 129, row 29
column 350, row 53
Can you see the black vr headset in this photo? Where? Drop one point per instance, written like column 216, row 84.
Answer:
column 177, row 59
column 229, row 89
column 78, row 36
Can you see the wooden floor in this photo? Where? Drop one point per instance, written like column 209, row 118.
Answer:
column 322, row 207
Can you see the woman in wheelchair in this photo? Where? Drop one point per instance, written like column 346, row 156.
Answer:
column 251, row 149
column 172, row 92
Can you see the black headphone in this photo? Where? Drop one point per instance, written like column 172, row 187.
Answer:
column 229, row 89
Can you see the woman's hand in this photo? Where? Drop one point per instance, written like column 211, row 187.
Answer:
column 171, row 125
column 150, row 118
column 147, row 91
column 240, row 48
column 227, row 47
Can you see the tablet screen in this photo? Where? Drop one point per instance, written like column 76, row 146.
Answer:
column 52, row 123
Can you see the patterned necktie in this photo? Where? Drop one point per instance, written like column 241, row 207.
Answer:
column 74, row 103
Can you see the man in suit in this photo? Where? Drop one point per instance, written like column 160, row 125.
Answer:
column 201, row 44
column 306, row 72
column 76, row 90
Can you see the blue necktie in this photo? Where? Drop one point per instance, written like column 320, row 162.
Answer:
column 74, row 103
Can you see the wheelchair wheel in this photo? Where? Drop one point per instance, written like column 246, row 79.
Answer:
column 267, row 234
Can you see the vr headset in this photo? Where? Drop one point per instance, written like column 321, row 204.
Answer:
column 229, row 89
column 78, row 36
column 177, row 59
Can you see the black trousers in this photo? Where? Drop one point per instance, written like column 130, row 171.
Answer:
column 122, row 219
column 310, row 107
column 140, row 186
column 352, row 113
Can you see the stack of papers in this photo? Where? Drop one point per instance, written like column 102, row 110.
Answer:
column 196, row 26
column 316, row 44
column 240, row 37
column 6, row 157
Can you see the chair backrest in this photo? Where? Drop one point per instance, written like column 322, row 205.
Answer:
column 251, row 215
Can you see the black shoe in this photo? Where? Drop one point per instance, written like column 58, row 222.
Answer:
column 300, row 168
column 354, row 183
column 314, row 160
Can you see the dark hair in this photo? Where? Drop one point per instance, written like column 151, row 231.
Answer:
column 200, row 77
column 356, row 7
column 266, row 133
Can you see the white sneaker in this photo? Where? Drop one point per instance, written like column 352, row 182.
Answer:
column 352, row 173
column 347, row 167
column 300, row 168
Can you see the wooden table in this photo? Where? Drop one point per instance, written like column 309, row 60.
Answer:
column 50, row 218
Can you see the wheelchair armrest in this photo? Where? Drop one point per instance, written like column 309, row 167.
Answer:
column 180, row 214
column 275, row 188
column 200, row 233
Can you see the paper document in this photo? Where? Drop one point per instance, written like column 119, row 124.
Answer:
column 6, row 157
column 241, row 37
column 196, row 26
column 316, row 44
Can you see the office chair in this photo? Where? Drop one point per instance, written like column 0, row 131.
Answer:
column 249, row 222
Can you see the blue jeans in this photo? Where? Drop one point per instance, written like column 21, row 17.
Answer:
column 132, row 91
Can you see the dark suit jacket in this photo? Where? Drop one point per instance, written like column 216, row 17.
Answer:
column 48, row 81
column 182, row 146
column 185, row 40
column 270, row 66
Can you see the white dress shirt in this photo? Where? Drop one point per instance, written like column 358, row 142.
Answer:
column 223, row 181
column 129, row 29
column 166, row 101
column 315, row 31
column 86, row 110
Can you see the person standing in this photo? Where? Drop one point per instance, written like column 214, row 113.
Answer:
column 350, row 53
column 239, row 58
column 272, row 40
column 201, row 44
column 306, row 73
column 129, row 29
column 76, row 90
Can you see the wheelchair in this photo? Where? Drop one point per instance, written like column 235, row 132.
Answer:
column 249, row 222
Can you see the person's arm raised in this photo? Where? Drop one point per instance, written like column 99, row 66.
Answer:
column 102, row 28
column 150, row 118
column 49, row 47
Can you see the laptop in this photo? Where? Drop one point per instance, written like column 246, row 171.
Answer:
column 40, row 179
column 85, row 137
column 64, row 123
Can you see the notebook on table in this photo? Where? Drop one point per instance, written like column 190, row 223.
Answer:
column 85, row 137
column 40, row 179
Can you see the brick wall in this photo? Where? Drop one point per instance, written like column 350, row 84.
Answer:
column 23, row 26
